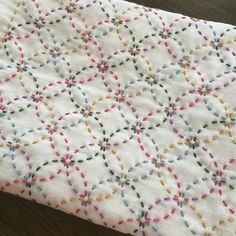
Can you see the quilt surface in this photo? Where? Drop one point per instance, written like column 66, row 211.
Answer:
column 119, row 114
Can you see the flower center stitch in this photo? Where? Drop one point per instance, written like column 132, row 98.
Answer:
column 67, row 161
column 137, row 128
column 29, row 180
column 37, row 97
column 102, row 66
column 87, row 36
column 13, row 145
column 192, row 142
column 216, row 44
column 119, row 96
column 229, row 120
column 184, row 62
column 122, row 180
column 171, row 110
column 71, row 81
column 151, row 80
column 21, row 67
column 218, row 178
column 135, row 50
column 204, row 90
column 39, row 23
column 71, row 8
column 104, row 144
column 117, row 21
column 52, row 128
column 85, row 199
column 55, row 52
column 181, row 199
column 86, row 112
column 165, row 34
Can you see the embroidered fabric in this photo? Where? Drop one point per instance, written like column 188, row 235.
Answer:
column 119, row 114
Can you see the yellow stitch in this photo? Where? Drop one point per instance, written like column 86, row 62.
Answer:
column 199, row 215
column 72, row 199
column 230, row 134
column 221, row 132
column 63, row 202
column 192, row 207
column 214, row 228
column 99, row 199
column 206, row 140
column 165, row 151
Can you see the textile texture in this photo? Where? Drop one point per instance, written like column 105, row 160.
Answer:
column 119, row 114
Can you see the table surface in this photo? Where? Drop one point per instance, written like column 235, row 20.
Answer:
column 19, row 217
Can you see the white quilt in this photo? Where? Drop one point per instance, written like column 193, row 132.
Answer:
column 119, row 114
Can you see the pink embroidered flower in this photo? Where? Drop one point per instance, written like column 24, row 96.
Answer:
column 218, row 178
column 87, row 36
column 85, row 199
column 102, row 66
column 52, row 128
column 67, row 160
column 137, row 128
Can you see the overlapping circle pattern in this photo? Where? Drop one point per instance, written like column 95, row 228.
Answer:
column 119, row 114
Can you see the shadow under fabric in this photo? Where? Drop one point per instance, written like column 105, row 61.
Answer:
column 119, row 114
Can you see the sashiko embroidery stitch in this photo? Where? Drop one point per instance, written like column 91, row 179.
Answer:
column 119, row 114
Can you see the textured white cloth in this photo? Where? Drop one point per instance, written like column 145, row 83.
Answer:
column 119, row 114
